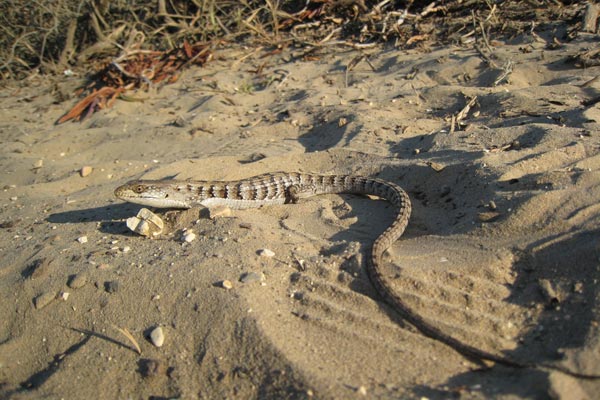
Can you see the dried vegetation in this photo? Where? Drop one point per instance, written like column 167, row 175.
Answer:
column 132, row 44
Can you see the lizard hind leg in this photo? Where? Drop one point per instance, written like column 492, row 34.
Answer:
column 297, row 192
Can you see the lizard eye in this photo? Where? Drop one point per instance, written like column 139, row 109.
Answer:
column 138, row 188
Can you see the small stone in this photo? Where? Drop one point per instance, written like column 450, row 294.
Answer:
column 38, row 164
column 219, row 212
column 189, row 237
column 126, row 249
column 146, row 223
column 416, row 151
column 488, row 216
column 14, row 198
column 44, row 299
column 226, row 284
column 245, row 225
column 82, row 239
column 492, row 205
column 578, row 287
column 266, row 253
column 157, row 336
column 112, row 286
column 39, row 268
column 437, row 167
column 85, row 171
column 77, row 281
column 64, row 296
column 248, row 277
column 362, row 390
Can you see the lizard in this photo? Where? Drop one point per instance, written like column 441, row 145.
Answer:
column 290, row 187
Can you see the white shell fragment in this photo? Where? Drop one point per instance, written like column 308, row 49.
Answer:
column 146, row 223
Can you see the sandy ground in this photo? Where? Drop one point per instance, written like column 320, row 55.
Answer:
column 502, row 250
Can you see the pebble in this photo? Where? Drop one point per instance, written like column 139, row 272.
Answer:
column 157, row 336
column 219, row 212
column 40, row 268
column 82, row 239
column 85, row 171
column 488, row 216
column 226, row 284
column 146, row 223
column 111, row 286
column 248, row 277
column 266, row 253
column 189, row 237
column 64, row 296
column 437, row 167
column 44, row 299
column 77, row 281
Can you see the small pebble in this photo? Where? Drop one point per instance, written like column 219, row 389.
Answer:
column 126, row 249
column 64, row 296
column 157, row 336
column 77, row 281
column 492, row 205
column 227, row 284
column 266, row 253
column 488, row 216
column 111, row 286
column 85, row 171
column 437, row 167
column 362, row 390
column 38, row 164
column 219, row 212
column 82, row 239
column 189, row 236
column 40, row 268
column 44, row 299
column 248, row 277
column 146, row 223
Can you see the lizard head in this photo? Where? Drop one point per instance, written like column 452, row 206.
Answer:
column 153, row 194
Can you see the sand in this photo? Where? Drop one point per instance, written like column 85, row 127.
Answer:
column 502, row 250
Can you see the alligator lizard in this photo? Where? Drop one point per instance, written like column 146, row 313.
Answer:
column 283, row 187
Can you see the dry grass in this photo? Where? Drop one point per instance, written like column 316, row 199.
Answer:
column 50, row 36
